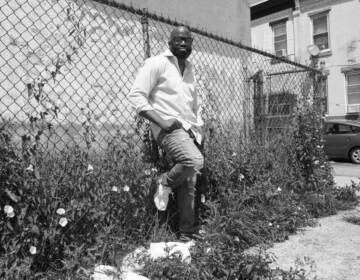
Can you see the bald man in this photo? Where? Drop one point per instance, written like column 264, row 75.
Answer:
column 164, row 93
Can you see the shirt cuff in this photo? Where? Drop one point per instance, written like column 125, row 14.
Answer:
column 142, row 108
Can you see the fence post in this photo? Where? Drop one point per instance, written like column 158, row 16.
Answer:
column 151, row 148
column 145, row 31
column 259, row 103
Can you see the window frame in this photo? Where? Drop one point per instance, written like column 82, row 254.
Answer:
column 315, row 16
column 273, row 25
column 347, row 74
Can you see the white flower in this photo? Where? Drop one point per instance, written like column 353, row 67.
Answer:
column 279, row 189
column 234, row 154
column 147, row 172
column 114, row 189
column 9, row 210
column 322, row 166
column 90, row 168
column 154, row 169
column 277, row 226
column 236, row 239
column 63, row 221
column 32, row 250
column 207, row 250
column 202, row 199
column 30, row 168
column 126, row 188
column 60, row 211
column 241, row 177
column 316, row 162
column 270, row 224
column 299, row 208
column 11, row 215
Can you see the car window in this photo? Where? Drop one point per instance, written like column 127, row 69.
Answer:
column 355, row 129
column 330, row 128
column 344, row 129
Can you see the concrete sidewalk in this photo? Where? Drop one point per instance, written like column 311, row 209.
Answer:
column 333, row 245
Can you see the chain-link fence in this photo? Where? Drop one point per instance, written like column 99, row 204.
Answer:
column 66, row 67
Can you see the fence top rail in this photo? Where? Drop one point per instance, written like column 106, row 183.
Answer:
column 147, row 14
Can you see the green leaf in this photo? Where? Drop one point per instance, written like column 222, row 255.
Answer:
column 12, row 196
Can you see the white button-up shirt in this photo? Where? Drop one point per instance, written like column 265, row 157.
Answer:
column 159, row 86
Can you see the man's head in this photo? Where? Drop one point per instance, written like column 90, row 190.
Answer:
column 180, row 42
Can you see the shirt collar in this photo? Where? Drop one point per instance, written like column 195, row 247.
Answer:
column 168, row 53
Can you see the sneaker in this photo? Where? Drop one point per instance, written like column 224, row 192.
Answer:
column 161, row 197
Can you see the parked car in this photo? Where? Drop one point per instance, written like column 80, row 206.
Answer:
column 342, row 140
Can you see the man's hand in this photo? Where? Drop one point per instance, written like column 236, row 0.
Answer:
column 167, row 125
column 170, row 125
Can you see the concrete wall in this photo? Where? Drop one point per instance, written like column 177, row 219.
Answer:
column 344, row 30
column 76, row 61
column 230, row 18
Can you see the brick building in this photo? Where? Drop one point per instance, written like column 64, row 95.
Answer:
column 288, row 27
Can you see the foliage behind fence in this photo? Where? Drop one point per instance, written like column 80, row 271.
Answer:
column 67, row 66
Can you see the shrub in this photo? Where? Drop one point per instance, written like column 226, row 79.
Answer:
column 65, row 212
column 72, row 209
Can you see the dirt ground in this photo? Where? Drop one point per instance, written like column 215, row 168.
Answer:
column 333, row 246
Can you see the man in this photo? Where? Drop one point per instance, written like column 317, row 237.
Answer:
column 164, row 93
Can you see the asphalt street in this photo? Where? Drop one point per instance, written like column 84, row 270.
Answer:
column 345, row 172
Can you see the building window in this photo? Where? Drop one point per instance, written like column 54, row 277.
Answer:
column 321, row 31
column 280, row 38
column 353, row 91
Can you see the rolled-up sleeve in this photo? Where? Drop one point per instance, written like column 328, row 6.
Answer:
column 145, row 81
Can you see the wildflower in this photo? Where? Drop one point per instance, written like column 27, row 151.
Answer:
column 234, row 154
column 202, row 199
column 316, row 162
column 60, row 211
column 277, row 226
column 207, row 250
column 322, row 166
column 236, row 239
column 90, row 168
column 147, row 172
column 154, row 170
column 279, row 189
column 63, row 222
column 9, row 210
column 299, row 208
column 241, row 177
column 270, row 224
column 32, row 250
column 114, row 189
column 126, row 188
column 30, row 168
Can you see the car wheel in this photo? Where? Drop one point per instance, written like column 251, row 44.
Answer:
column 355, row 155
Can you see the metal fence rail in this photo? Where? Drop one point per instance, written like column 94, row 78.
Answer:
column 66, row 67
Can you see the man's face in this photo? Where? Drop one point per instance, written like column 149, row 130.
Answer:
column 181, row 43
